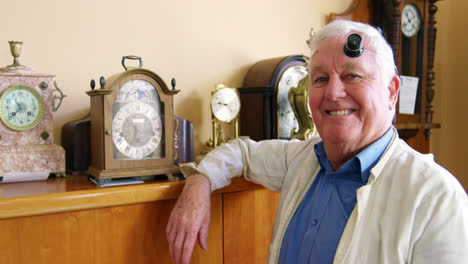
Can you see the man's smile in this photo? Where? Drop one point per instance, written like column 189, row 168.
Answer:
column 340, row 112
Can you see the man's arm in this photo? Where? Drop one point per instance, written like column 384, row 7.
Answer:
column 189, row 219
column 262, row 162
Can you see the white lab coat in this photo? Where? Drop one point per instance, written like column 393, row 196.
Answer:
column 411, row 210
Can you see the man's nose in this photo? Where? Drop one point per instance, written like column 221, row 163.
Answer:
column 335, row 89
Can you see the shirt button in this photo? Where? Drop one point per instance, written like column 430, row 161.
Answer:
column 331, row 179
column 314, row 221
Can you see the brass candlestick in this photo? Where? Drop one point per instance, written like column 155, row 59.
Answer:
column 15, row 48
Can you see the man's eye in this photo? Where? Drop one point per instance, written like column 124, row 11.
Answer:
column 352, row 78
column 319, row 81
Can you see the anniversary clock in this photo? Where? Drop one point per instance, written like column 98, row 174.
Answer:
column 27, row 101
column 266, row 112
column 409, row 26
column 225, row 108
column 132, row 125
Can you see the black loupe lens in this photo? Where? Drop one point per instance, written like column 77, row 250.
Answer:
column 353, row 47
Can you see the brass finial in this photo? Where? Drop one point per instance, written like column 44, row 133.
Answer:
column 311, row 34
column 15, row 48
column 309, row 42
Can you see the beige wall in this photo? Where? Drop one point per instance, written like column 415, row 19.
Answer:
column 451, row 65
column 200, row 43
column 205, row 42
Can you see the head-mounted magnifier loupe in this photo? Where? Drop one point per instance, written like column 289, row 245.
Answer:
column 353, row 47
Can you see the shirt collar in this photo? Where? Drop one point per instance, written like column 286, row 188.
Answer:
column 363, row 162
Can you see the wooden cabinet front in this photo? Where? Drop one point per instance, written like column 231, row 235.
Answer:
column 72, row 221
column 119, row 234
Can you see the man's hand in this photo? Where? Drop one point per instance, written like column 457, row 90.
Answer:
column 189, row 218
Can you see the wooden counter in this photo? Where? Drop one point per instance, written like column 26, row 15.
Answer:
column 71, row 220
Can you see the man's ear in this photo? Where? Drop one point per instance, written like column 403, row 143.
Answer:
column 393, row 88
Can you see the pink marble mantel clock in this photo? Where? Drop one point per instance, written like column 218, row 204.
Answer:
column 26, row 126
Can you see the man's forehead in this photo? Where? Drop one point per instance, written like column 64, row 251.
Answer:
column 345, row 66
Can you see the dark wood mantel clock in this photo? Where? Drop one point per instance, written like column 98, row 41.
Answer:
column 266, row 112
column 409, row 27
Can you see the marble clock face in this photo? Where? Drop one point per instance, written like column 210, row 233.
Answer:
column 137, row 126
column 287, row 121
column 21, row 108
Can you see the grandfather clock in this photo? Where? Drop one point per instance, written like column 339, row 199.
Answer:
column 409, row 27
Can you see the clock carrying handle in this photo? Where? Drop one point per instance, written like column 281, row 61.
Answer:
column 131, row 57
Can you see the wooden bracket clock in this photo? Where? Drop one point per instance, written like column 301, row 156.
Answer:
column 266, row 112
column 132, row 125
column 409, row 26
column 27, row 101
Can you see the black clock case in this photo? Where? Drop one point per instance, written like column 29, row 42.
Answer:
column 76, row 142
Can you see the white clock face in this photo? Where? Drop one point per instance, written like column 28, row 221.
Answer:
column 137, row 129
column 410, row 20
column 287, row 121
column 21, row 108
column 225, row 104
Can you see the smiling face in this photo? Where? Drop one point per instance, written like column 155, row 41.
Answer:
column 352, row 100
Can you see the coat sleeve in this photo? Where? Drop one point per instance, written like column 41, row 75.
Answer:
column 263, row 162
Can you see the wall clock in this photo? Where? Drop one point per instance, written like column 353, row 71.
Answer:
column 266, row 112
column 27, row 101
column 132, row 125
column 410, row 20
column 413, row 43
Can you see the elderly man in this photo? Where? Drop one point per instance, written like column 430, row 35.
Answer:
column 356, row 194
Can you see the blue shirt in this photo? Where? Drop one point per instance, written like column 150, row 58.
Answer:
column 315, row 229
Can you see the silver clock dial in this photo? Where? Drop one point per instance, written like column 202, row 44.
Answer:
column 287, row 121
column 225, row 104
column 410, row 20
column 21, row 108
column 137, row 129
column 137, row 90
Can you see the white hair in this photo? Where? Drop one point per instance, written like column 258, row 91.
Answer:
column 375, row 41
